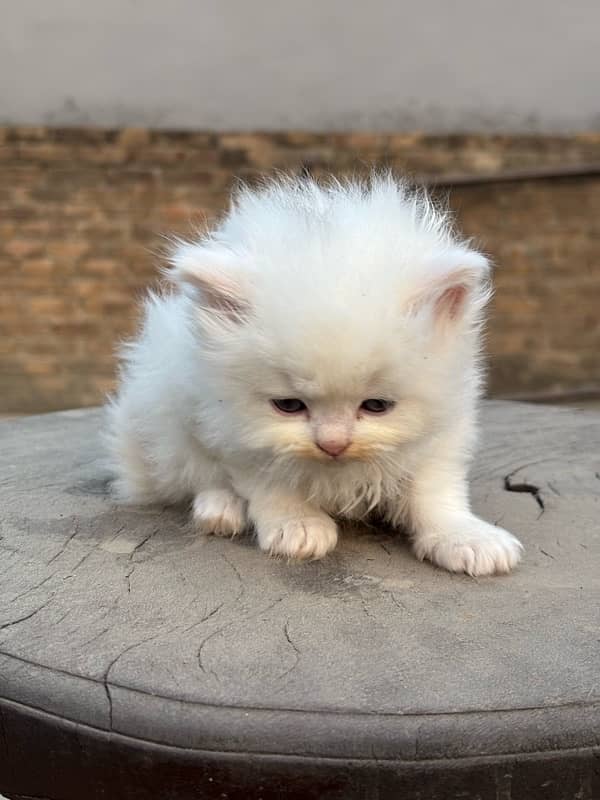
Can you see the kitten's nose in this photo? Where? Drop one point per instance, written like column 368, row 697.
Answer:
column 333, row 447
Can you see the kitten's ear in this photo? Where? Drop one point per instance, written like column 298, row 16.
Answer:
column 458, row 290
column 209, row 274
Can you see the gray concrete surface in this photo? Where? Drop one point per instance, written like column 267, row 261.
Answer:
column 124, row 621
column 229, row 64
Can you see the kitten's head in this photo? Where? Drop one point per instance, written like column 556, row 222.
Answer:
column 339, row 322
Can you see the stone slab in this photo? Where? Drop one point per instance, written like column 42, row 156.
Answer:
column 122, row 631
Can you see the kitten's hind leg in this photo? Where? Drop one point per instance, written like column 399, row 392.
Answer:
column 132, row 477
column 220, row 512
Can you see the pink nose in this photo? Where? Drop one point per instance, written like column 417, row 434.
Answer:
column 333, row 447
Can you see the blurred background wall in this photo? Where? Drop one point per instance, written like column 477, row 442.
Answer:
column 130, row 119
column 477, row 65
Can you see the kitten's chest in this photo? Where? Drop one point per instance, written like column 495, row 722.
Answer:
column 368, row 501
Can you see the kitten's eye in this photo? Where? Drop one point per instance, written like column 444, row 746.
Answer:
column 375, row 406
column 289, row 405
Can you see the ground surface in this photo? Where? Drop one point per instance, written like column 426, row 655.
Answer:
column 121, row 628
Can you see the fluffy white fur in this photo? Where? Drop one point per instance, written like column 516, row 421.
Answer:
column 332, row 294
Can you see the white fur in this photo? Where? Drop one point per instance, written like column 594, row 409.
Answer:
column 332, row 294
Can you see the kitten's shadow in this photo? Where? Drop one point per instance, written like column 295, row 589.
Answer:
column 363, row 548
column 365, row 553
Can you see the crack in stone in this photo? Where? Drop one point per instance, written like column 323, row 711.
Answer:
column 62, row 617
column 365, row 608
column 381, row 544
column 82, row 559
column 214, row 633
column 128, row 575
column 220, row 605
column 399, row 604
column 238, row 576
column 524, row 487
column 110, row 704
column 142, row 543
column 95, row 636
column 205, row 641
column 66, row 544
column 27, row 616
column 297, row 654
column 206, row 617
column 131, row 559
column 33, row 588
column 108, row 670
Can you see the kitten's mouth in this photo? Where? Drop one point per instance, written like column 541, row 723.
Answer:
column 352, row 454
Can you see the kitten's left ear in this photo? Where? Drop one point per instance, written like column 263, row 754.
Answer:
column 213, row 277
column 461, row 286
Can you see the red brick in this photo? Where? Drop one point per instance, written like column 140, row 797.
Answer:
column 38, row 266
column 68, row 251
column 101, row 266
column 20, row 248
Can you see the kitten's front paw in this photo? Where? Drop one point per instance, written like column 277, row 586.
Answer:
column 310, row 537
column 219, row 511
column 472, row 546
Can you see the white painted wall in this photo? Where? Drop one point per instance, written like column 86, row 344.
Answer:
column 439, row 65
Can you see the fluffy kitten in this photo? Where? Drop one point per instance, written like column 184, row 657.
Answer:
column 318, row 359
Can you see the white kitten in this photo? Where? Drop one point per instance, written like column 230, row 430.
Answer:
column 318, row 360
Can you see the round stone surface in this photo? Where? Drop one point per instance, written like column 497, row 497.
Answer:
column 366, row 674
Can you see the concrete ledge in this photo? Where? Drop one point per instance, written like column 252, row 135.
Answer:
column 138, row 660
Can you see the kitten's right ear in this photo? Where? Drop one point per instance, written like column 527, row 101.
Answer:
column 209, row 274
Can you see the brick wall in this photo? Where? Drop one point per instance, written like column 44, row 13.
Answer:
column 82, row 213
